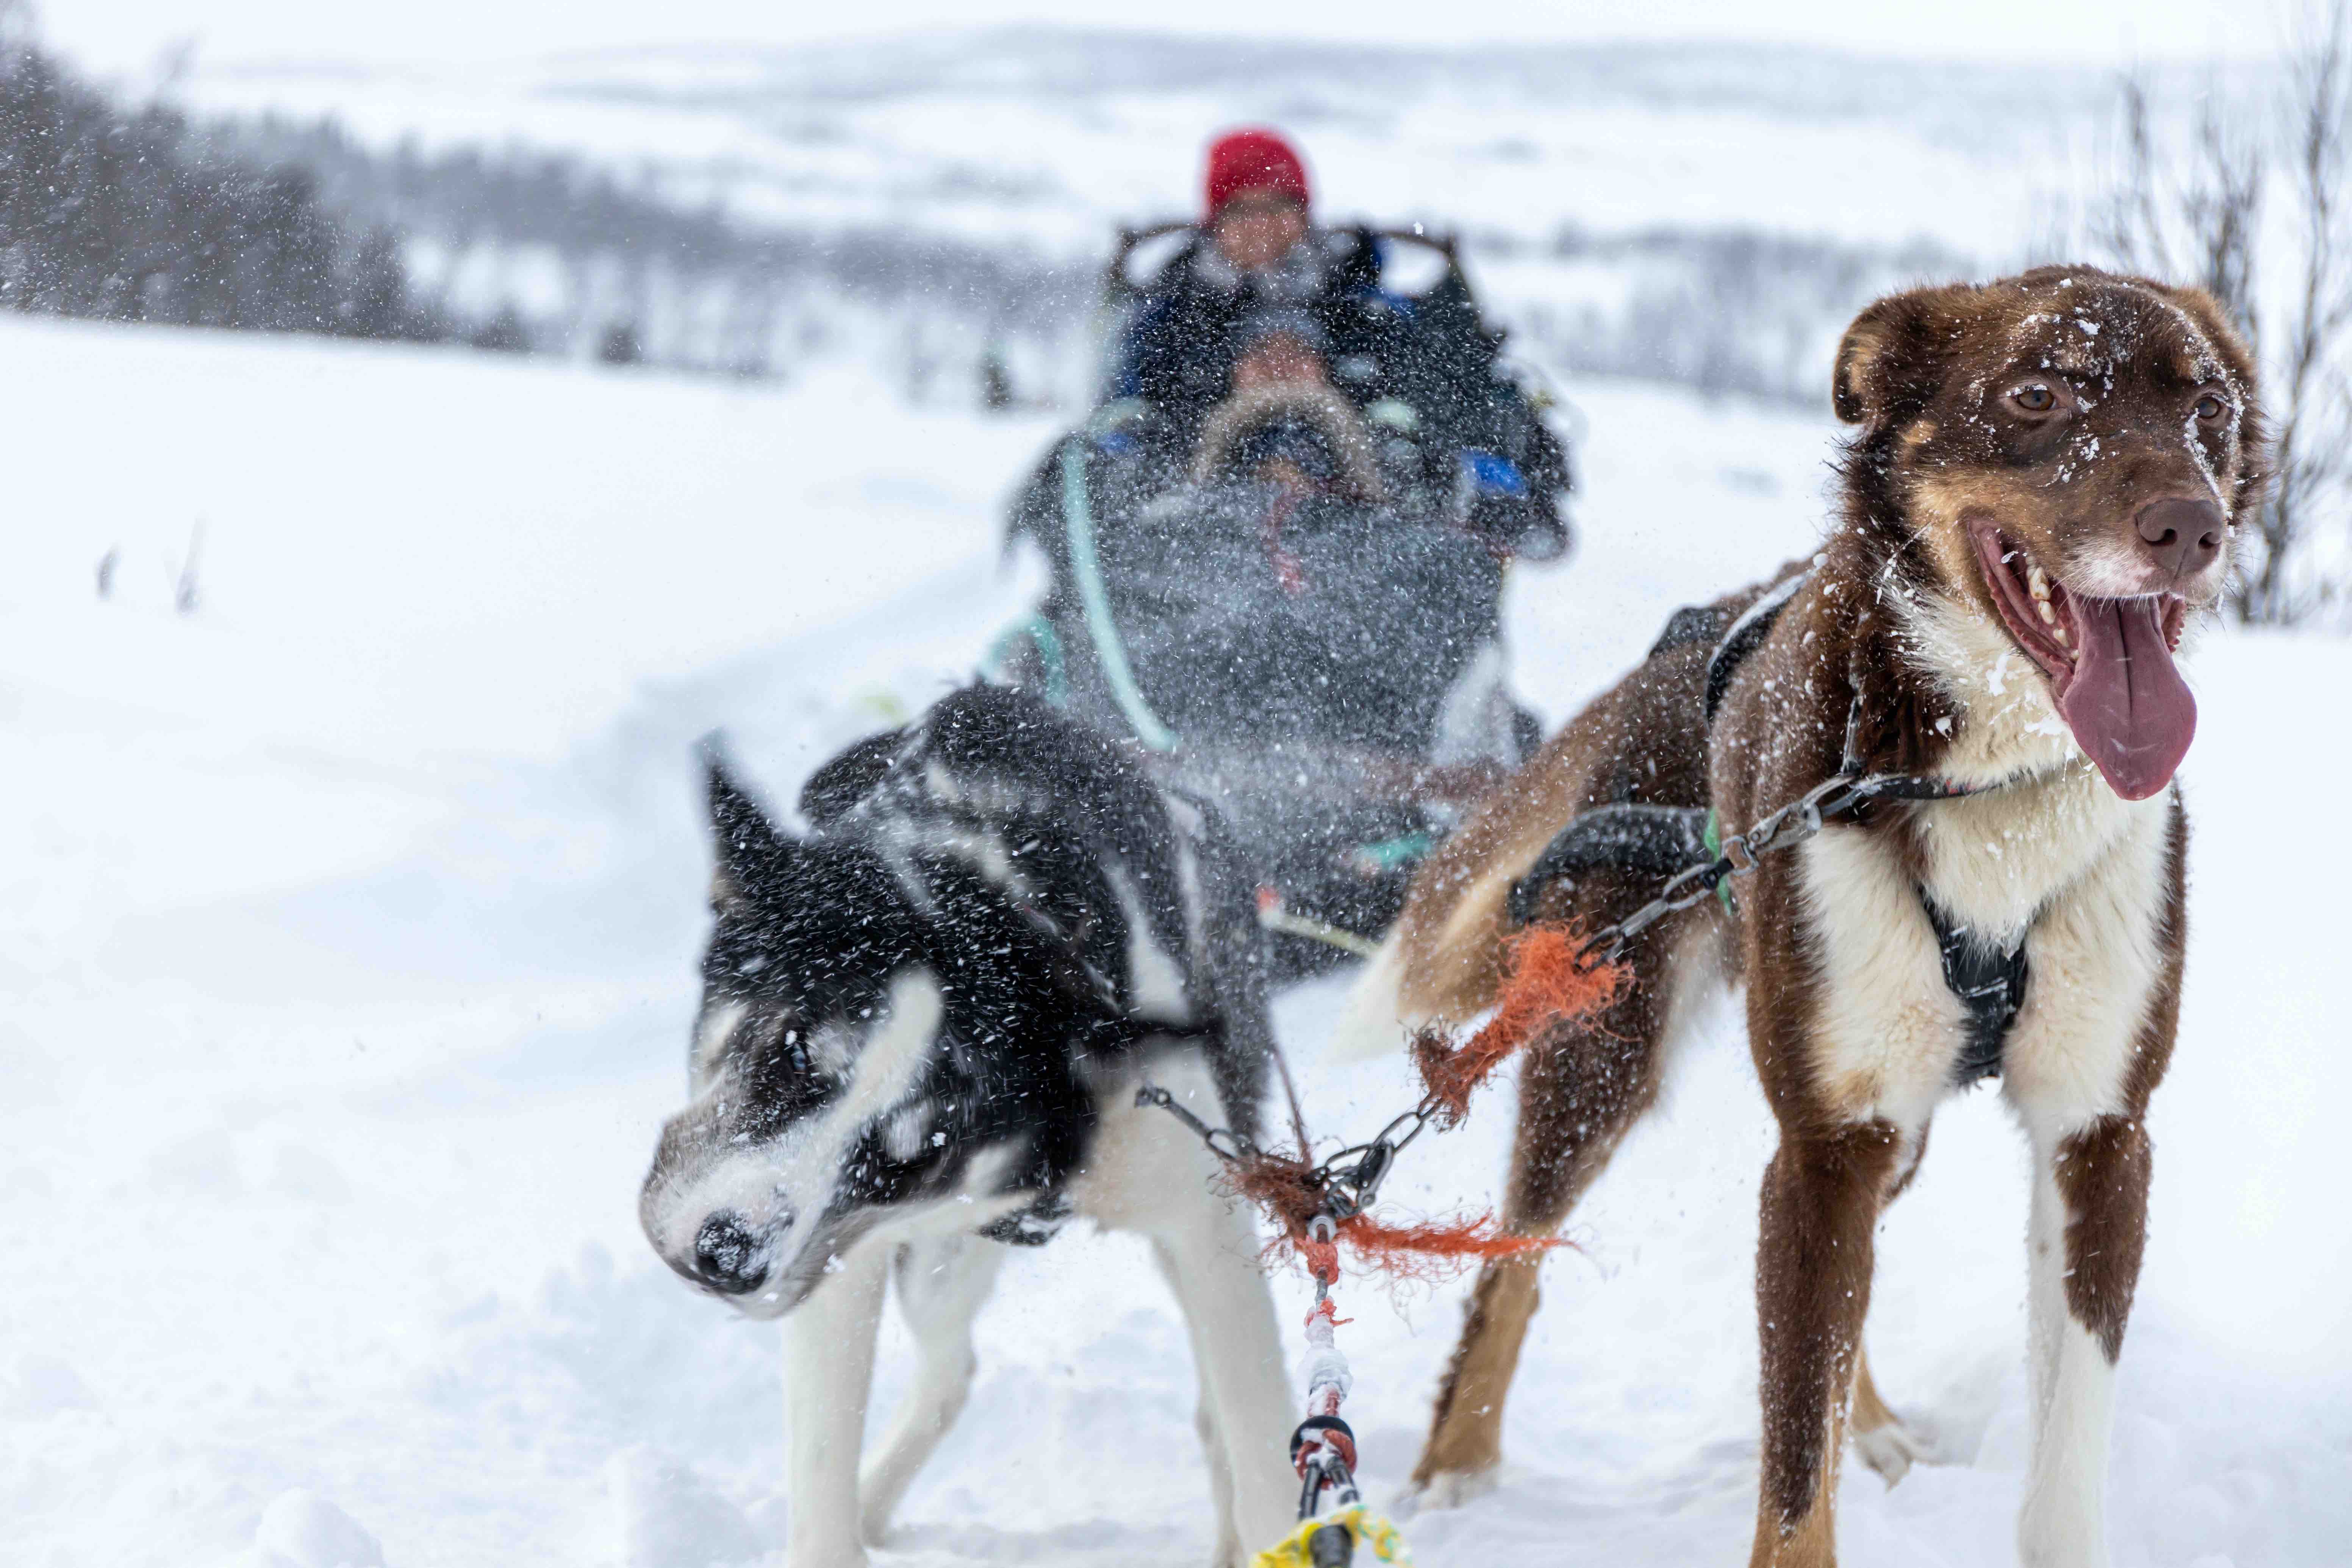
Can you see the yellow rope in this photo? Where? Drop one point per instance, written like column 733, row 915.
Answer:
column 1371, row 1531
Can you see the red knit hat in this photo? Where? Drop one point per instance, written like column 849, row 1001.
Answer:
column 1253, row 160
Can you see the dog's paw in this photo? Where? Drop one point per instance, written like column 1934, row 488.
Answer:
column 831, row 1557
column 827, row 1551
column 1229, row 1551
column 877, row 1530
column 1446, row 1490
column 1892, row 1449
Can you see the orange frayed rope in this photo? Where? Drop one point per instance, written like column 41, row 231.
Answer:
column 1551, row 980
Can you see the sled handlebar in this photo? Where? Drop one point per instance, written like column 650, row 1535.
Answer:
column 1117, row 288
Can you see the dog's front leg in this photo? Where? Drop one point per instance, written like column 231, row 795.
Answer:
column 942, row 1285
column 2089, row 1225
column 1821, row 1198
column 828, row 1372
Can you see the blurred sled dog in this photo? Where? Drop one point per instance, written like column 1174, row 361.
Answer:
column 2046, row 481
column 922, row 1027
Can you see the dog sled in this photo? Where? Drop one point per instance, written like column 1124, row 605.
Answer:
column 1291, row 607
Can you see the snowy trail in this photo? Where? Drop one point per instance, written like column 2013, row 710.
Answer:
column 349, row 935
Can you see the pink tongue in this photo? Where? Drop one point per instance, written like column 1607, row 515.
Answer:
column 2127, row 704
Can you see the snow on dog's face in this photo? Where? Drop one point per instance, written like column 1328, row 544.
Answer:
column 812, row 1070
column 2075, row 451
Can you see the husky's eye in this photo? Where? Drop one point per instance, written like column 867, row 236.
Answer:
column 2210, row 409
column 2034, row 397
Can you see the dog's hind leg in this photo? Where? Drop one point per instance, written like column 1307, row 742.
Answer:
column 828, row 1374
column 1149, row 1175
column 942, row 1284
column 1880, row 1437
column 1246, row 1408
column 1577, row 1094
column 1580, row 1092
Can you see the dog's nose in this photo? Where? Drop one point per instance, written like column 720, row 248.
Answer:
column 2182, row 536
column 727, row 1255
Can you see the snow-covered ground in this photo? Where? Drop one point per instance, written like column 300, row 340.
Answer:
column 348, row 930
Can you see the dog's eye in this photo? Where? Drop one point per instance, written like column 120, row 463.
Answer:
column 2034, row 398
column 2210, row 409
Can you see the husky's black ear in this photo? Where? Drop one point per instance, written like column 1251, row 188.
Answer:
column 747, row 852
column 850, row 777
column 1894, row 356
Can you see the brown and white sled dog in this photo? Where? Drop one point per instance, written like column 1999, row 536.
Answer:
column 922, row 1027
column 2045, row 483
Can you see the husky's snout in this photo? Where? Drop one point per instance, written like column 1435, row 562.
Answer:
column 728, row 1257
column 749, row 1250
column 719, row 1211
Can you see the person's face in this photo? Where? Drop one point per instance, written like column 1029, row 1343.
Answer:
column 1258, row 228
column 1285, row 474
column 1279, row 359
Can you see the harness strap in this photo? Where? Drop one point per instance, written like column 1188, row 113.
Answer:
column 1110, row 654
column 1691, row 625
column 1746, row 636
column 1990, row 986
column 1654, row 840
column 1048, row 644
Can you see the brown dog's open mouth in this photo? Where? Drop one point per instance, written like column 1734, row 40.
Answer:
column 2108, row 661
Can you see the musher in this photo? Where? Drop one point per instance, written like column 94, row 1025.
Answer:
column 1424, row 367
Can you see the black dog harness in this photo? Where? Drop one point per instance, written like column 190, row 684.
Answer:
column 1990, row 986
column 1989, row 981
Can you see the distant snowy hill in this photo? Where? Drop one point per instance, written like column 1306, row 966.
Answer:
column 1704, row 215
column 1048, row 134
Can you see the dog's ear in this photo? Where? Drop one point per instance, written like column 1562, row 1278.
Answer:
column 1894, row 356
column 850, row 777
column 747, row 852
column 2255, row 454
column 2219, row 330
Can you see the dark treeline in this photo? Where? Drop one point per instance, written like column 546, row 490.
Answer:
column 128, row 215
column 565, row 255
column 659, row 264
column 521, row 197
column 138, row 213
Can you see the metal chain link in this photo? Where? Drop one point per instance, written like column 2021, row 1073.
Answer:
column 1741, row 856
column 1348, row 1181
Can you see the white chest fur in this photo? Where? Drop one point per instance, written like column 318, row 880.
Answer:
column 1996, row 862
column 2079, row 873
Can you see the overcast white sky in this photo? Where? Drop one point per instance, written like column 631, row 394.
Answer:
column 125, row 35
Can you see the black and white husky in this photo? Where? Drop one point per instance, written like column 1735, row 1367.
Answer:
column 922, row 1031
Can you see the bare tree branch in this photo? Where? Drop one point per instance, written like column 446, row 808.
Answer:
column 2206, row 224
